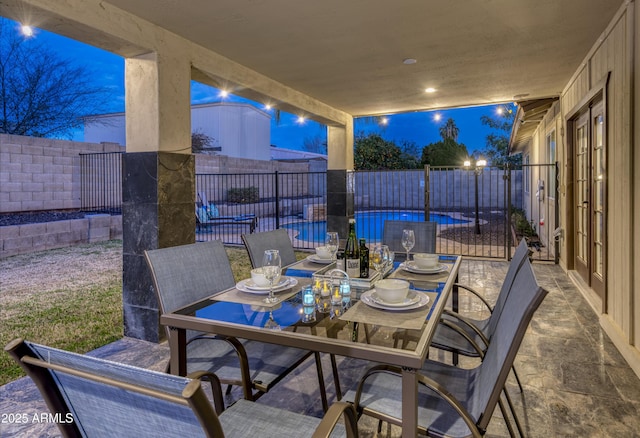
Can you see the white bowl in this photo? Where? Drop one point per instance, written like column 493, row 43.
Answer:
column 258, row 278
column 323, row 252
column 426, row 261
column 392, row 290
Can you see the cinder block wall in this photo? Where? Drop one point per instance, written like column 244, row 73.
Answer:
column 42, row 174
column 23, row 239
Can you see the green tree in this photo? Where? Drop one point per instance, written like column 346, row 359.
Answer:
column 447, row 152
column 372, row 152
column 496, row 151
column 41, row 94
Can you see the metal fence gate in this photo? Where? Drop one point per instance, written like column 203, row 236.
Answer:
column 101, row 182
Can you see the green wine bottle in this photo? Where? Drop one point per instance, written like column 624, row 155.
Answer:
column 364, row 259
column 351, row 252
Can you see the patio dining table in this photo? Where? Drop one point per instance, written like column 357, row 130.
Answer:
column 241, row 313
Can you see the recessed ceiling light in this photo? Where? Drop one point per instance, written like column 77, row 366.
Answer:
column 26, row 30
column 409, row 61
column 430, row 90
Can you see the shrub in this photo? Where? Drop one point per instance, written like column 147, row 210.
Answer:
column 243, row 195
column 520, row 223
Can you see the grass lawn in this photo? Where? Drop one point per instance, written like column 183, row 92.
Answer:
column 70, row 298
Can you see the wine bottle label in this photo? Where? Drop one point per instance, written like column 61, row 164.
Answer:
column 352, row 267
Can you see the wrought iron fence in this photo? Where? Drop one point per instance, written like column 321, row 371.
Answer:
column 101, row 182
column 282, row 199
column 473, row 210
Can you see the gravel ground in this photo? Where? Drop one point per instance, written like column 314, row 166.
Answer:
column 38, row 217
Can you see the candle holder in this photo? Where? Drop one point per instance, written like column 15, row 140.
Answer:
column 331, row 289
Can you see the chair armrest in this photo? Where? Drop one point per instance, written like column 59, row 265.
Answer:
column 245, row 372
column 216, row 387
column 476, row 293
column 465, row 335
column 467, row 323
column 445, row 395
column 337, row 410
column 428, row 383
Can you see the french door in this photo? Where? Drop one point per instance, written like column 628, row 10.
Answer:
column 589, row 182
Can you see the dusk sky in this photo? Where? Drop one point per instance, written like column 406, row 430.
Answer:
column 420, row 128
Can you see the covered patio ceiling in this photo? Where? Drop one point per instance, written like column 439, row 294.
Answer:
column 349, row 54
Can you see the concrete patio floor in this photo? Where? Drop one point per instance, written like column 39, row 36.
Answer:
column 575, row 381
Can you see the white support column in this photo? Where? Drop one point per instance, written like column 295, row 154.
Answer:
column 340, row 178
column 158, row 179
column 158, row 107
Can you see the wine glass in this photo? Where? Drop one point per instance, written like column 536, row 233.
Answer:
column 408, row 241
column 271, row 268
column 332, row 241
column 379, row 257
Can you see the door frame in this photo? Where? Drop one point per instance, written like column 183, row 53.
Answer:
column 597, row 94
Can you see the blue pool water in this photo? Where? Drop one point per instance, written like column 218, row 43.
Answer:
column 368, row 224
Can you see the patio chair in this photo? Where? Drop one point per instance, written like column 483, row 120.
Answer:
column 207, row 215
column 187, row 273
column 425, row 233
column 470, row 337
column 279, row 239
column 95, row 397
column 452, row 401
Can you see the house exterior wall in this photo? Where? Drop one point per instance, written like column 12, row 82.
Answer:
column 612, row 56
column 239, row 129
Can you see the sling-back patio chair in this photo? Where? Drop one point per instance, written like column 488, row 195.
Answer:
column 188, row 273
column 98, row 398
column 425, row 234
column 257, row 243
column 453, row 401
column 470, row 337
column 467, row 336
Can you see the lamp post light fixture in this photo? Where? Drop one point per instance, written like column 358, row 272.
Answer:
column 477, row 170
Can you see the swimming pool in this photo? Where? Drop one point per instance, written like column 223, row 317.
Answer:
column 368, row 224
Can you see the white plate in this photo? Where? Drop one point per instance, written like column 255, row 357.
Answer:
column 415, row 301
column 247, row 286
column 412, row 267
column 313, row 258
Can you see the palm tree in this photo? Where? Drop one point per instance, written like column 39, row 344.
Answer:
column 449, row 130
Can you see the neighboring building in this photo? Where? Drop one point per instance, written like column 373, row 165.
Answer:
column 239, row 130
column 317, row 162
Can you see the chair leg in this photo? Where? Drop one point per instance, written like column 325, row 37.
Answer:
column 336, row 377
column 513, row 412
column 323, row 391
column 229, row 388
column 513, row 367
column 506, row 418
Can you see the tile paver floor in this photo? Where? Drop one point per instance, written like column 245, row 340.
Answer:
column 575, row 381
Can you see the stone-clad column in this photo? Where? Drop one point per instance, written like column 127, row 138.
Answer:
column 158, row 180
column 340, row 179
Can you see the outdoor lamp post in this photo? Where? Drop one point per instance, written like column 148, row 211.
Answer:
column 477, row 170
